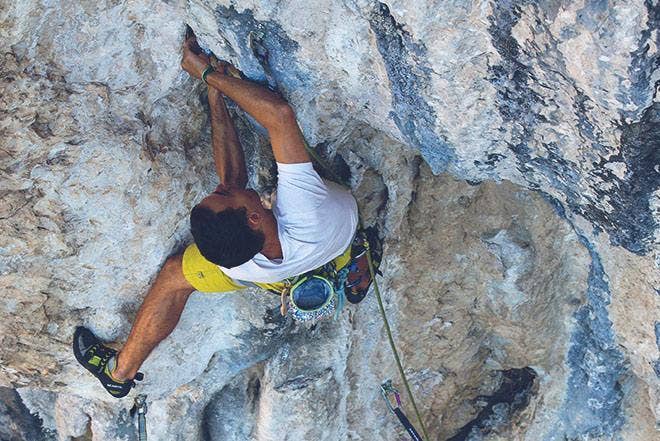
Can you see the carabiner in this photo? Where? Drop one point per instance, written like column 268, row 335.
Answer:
column 387, row 389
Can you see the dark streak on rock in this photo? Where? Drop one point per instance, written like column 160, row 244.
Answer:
column 267, row 54
column 622, row 209
column 409, row 76
column 518, row 103
column 633, row 221
column 630, row 223
column 594, row 394
column 520, row 106
column 16, row 421
column 593, row 406
column 512, row 396
column 643, row 66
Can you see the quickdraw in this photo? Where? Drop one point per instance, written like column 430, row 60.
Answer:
column 140, row 407
column 387, row 390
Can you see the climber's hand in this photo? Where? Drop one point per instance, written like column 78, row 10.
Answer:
column 225, row 67
column 193, row 63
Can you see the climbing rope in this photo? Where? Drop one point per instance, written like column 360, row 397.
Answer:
column 391, row 340
column 386, row 322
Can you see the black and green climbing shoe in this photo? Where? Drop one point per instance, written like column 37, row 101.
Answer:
column 96, row 357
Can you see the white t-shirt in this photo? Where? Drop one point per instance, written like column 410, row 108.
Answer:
column 316, row 221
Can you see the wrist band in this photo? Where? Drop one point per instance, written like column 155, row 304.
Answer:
column 207, row 71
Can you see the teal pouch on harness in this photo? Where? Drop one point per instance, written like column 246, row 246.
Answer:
column 317, row 294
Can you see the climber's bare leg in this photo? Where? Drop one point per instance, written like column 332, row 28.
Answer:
column 156, row 319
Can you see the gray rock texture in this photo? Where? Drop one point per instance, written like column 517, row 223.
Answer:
column 509, row 152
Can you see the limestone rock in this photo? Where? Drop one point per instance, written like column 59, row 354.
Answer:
column 508, row 151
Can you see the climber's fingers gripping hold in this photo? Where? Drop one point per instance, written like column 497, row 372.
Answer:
column 225, row 67
column 192, row 62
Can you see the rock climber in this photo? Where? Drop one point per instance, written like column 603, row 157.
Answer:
column 238, row 242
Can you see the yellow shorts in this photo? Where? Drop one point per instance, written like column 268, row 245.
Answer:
column 206, row 276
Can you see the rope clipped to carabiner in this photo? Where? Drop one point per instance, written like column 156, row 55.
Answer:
column 387, row 390
column 140, row 407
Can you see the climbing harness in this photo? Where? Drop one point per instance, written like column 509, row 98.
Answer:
column 372, row 271
column 140, row 407
column 387, row 390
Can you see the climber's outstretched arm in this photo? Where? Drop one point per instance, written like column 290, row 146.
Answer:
column 227, row 151
column 267, row 107
column 271, row 111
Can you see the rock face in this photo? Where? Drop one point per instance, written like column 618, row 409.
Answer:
column 508, row 151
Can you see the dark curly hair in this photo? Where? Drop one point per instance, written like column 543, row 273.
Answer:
column 225, row 238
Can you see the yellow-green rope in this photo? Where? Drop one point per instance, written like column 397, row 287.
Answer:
column 391, row 340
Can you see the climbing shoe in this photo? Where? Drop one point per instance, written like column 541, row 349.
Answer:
column 100, row 361
column 359, row 278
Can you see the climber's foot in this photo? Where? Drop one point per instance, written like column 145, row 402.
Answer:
column 96, row 358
